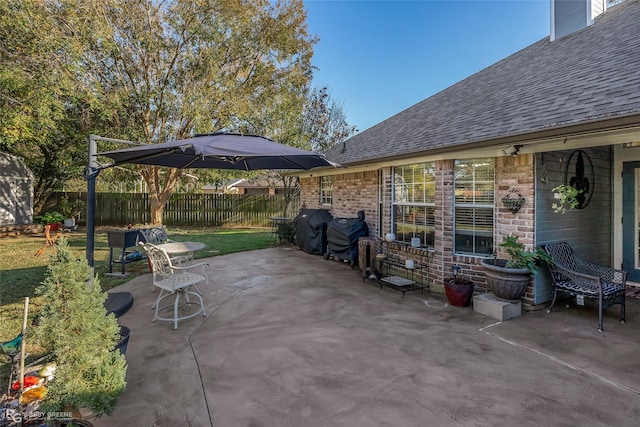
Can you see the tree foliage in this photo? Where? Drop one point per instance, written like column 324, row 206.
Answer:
column 168, row 70
column 316, row 123
column 144, row 70
column 324, row 120
column 43, row 112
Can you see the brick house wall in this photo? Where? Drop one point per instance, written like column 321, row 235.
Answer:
column 510, row 172
column 352, row 192
column 359, row 191
column 516, row 172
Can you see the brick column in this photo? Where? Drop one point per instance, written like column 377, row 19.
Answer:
column 516, row 172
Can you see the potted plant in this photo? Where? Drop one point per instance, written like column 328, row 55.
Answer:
column 565, row 196
column 458, row 290
column 53, row 219
column 508, row 278
column 82, row 339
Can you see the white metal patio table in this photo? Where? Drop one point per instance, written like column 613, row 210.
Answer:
column 180, row 248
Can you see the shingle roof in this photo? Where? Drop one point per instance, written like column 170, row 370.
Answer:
column 587, row 76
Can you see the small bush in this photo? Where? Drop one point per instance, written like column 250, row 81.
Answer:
column 287, row 232
column 75, row 329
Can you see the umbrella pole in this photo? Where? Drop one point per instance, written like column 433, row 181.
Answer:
column 91, row 173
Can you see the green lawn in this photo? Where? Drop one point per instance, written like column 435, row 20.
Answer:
column 21, row 271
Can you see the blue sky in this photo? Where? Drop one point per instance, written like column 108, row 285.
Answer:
column 380, row 57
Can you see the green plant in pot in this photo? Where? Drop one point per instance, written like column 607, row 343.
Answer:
column 565, row 196
column 508, row 278
column 81, row 338
column 51, row 218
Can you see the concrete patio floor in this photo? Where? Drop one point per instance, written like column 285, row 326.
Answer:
column 293, row 340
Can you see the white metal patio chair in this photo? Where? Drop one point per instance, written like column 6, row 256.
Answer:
column 157, row 236
column 176, row 281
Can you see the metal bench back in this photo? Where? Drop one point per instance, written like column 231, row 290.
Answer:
column 561, row 254
column 155, row 235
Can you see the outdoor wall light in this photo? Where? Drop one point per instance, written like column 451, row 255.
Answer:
column 511, row 151
column 456, row 270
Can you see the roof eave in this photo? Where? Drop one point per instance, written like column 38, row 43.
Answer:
column 562, row 131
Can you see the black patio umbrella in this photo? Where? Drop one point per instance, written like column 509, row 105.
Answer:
column 221, row 151
column 215, row 151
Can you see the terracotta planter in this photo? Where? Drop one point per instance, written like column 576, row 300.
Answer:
column 507, row 284
column 458, row 294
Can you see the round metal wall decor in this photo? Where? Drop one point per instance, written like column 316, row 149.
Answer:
column 580, row 175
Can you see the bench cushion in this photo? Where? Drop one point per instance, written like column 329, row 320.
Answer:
column 608, row 289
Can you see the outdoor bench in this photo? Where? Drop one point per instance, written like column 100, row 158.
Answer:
column 578, row 277
column 125, row 239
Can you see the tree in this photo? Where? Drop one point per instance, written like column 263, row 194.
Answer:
column 324, row 120
column 315, row 124
column 170, row 69
column 43, row 113
column 144, row 70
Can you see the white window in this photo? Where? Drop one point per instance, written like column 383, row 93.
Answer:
column 326, row 190
column 414, row 192
column 473, row 206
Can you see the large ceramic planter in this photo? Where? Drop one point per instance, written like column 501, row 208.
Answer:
column 507, row 284
column 458, row 293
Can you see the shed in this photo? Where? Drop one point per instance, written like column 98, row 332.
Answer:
column 16, row 191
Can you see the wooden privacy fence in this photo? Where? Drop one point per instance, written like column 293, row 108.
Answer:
column 184, row 209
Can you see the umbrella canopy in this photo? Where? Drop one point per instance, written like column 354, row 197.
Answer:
column 221, row 151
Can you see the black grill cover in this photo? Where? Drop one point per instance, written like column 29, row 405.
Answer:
column 311, row 230
column 343, row 235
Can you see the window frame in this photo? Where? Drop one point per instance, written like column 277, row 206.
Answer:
column 487, row 242
column 419, row 208
column 326, row 190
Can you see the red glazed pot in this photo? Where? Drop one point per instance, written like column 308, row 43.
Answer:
column 459, row 294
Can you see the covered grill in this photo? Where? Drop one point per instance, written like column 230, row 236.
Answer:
column 343, row 235
column 311, row 230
